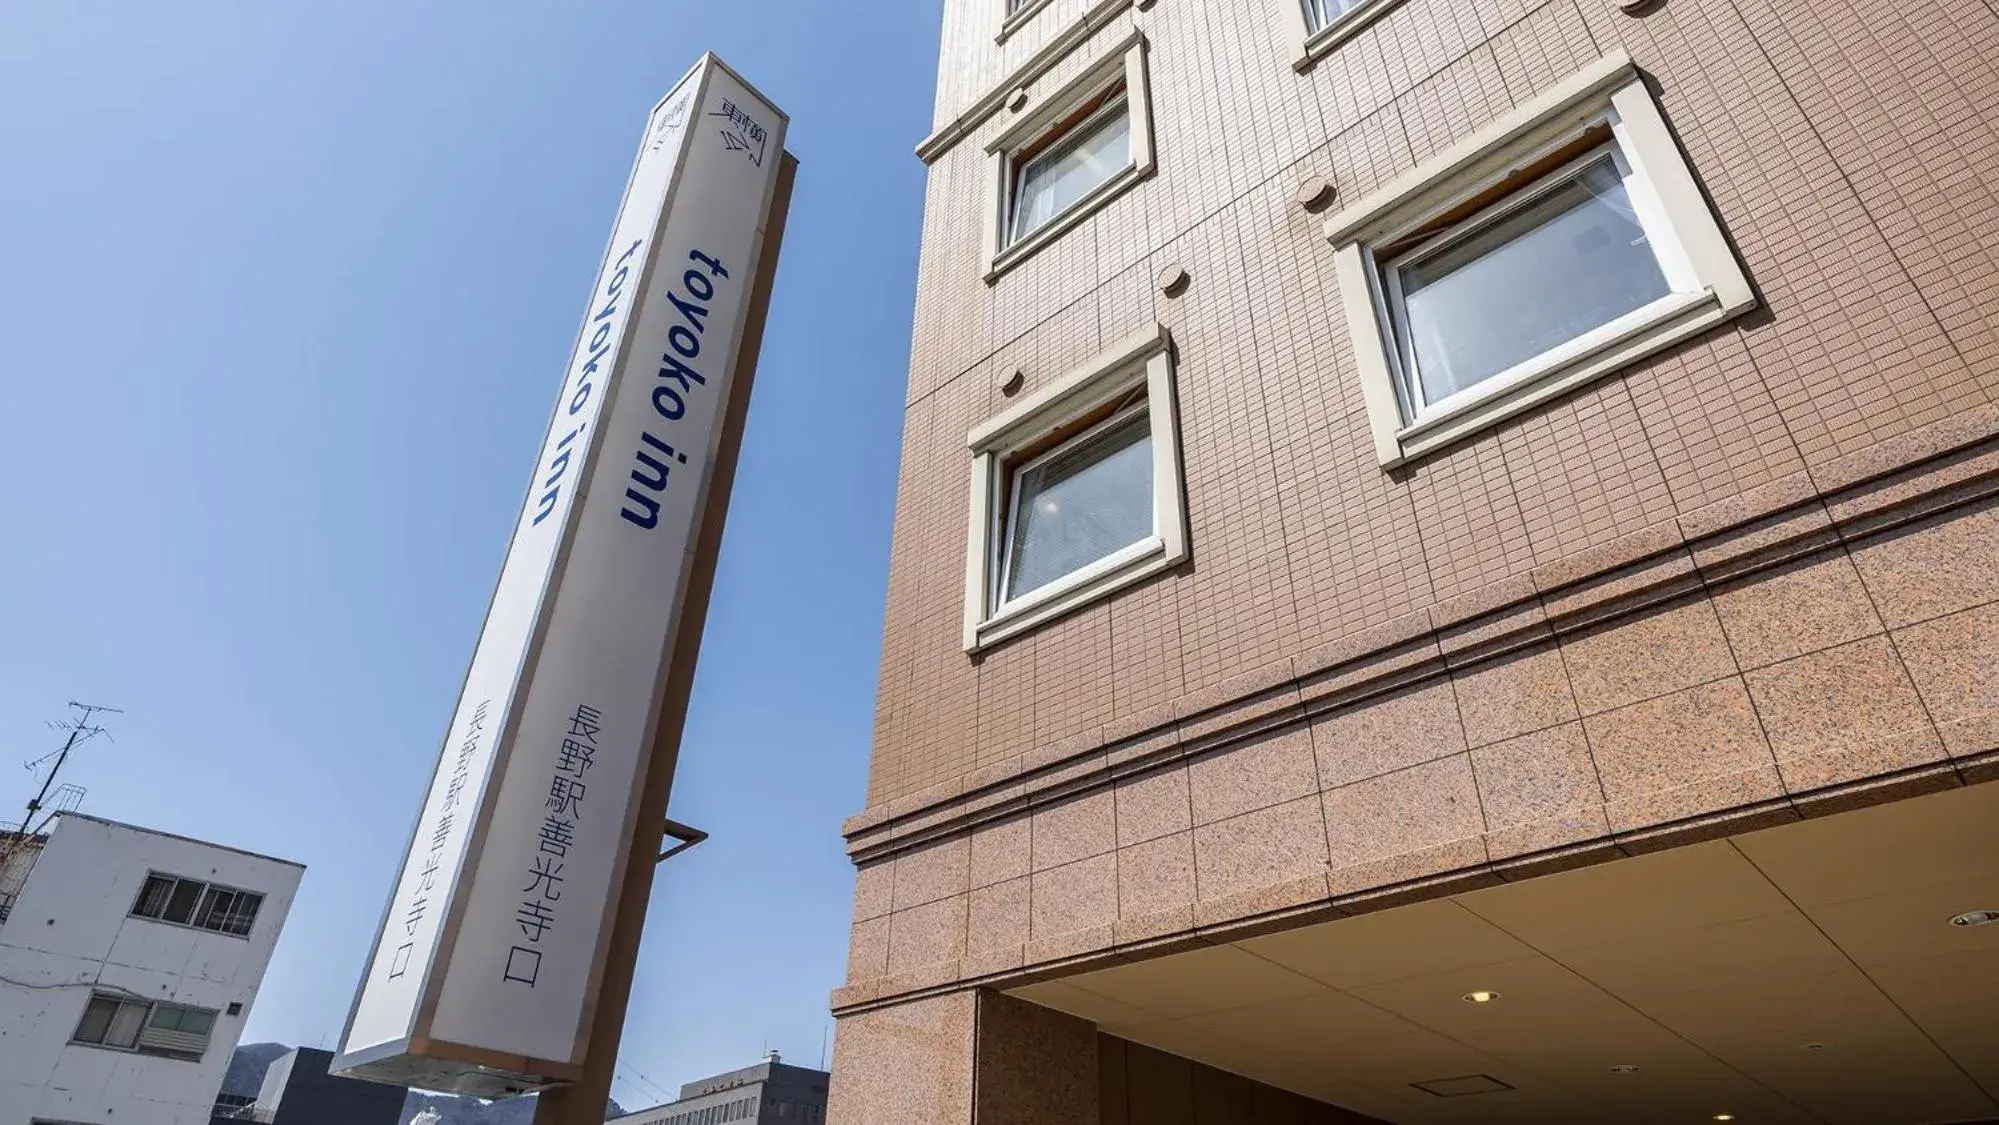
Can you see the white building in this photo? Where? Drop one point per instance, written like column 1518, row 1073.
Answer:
column 128, row 963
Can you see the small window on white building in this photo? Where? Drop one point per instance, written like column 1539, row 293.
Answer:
column 1559, row 245
column 1076, row 492
column 1069, row 153
column 177, row 1032
column 153, row 896
column 191, row 902
column 229, row 912
column 112, row 1021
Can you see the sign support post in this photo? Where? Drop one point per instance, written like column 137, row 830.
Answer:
column 583, row 1102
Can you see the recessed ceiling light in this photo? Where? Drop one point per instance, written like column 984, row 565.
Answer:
column 1815, row 1047
column 1624, row 1068
column 1481, row 997
column 1976, row 918
column 1724, row 1117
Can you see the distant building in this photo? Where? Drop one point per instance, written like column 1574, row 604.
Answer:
column 769, row 1091
column 297, row 1090
column 128, row 963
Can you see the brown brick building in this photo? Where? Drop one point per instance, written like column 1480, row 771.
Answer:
column 1446, row 570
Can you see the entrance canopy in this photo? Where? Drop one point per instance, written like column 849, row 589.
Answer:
column 1811, row 972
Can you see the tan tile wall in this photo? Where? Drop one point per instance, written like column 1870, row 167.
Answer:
column 1858, row 670
column 1851, row 149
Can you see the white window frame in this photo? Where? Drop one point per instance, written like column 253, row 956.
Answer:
column 200, row 901
column 1008, row 557
column 1125, row 60
column 1707, row 283
column 1142, row 360
column 1310, row 44
column 140, row 1046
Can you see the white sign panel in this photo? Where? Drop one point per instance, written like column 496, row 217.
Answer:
column 483, row 976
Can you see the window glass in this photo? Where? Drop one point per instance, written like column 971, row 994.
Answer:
column 153, row 896
column 190, row 1021
column 215, row 908
column 125, row 1025
column 244, row 916
column 180, row 906
column 1321, row 13
column 96, row 1019
column 190, row 902
column 1046, row 183
column 1080, row 504
column 1572, row 260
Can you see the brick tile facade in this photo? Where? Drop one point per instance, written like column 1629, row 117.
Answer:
column 1726, row 585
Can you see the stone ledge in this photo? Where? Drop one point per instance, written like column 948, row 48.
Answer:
column 1298, row 902
column 1949, row 463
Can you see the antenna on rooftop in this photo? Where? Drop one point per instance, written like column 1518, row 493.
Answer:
column 81, row 729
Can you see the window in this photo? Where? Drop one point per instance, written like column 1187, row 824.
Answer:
column 153, row 896
column 1069, row 153
column 1083, row 501
column 1321, row 14
column 190, row 902
column 1018, row 12
column 100, row 1016
column 188, row 1021
column 1550, row 264
column 1560, row 244
column 1319, row 26
column 1082, row 153
column 1076, row 491
column 124, row 1024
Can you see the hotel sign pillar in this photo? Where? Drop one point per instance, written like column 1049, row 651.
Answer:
column 504, row 959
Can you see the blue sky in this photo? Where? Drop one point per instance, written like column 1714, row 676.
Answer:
column 286, row 292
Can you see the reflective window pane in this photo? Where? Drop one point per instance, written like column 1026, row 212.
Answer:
column 1320, row 13
column 180, row 906
column 1573, row 260
column 125, row 1025
column 96, row 1019
column 244, row 916
column 1086, row 502
column 214, row 908
column 153, row 896
column 1049, row 182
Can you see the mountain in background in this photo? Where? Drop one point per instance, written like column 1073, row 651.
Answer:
column 246, row 1077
